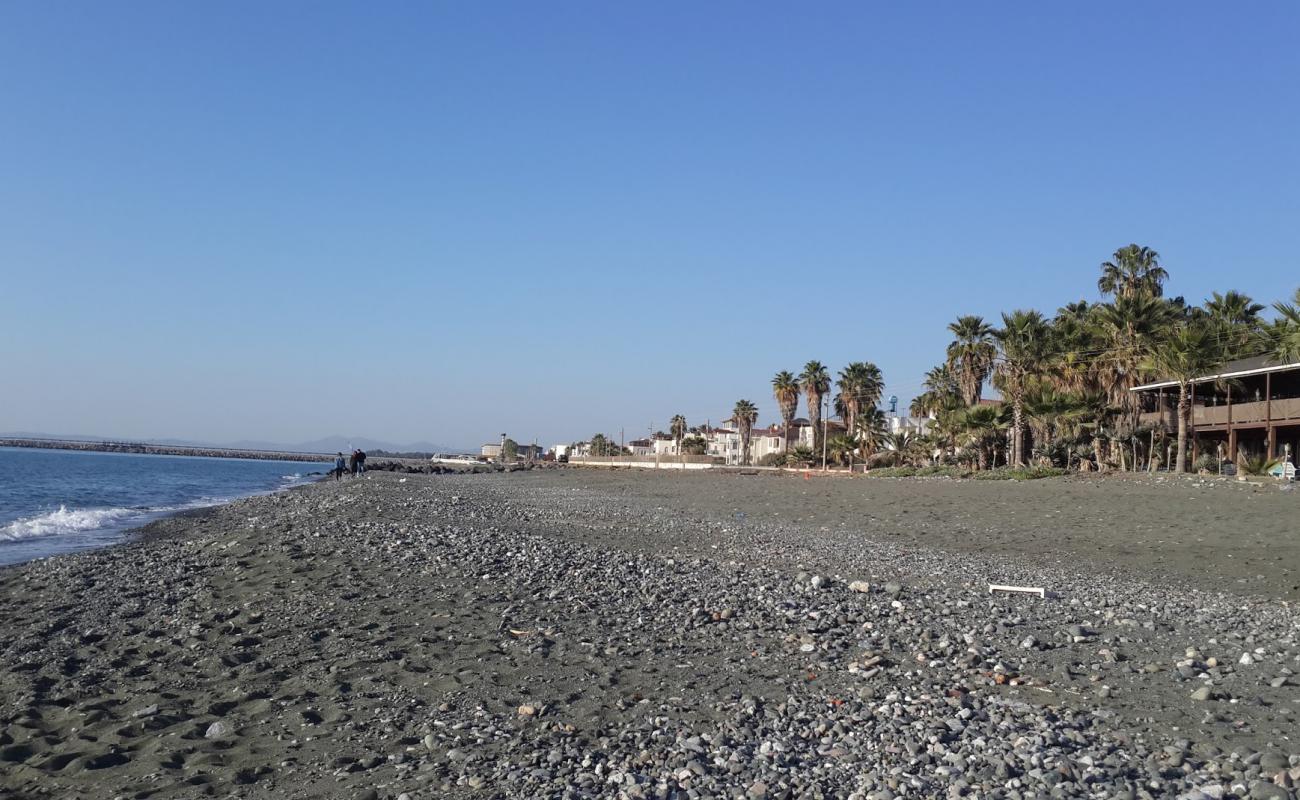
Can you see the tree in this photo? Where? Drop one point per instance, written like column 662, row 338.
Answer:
column 694, row 446
column 785, row 389
column 677, row 427
column 1284, row 333
column 981, row 429
column 1183, row 354
column 942, row 393
column 870, row 429
column 840, row 448
column 602, row 445
column 1135, row 271
column 510, row 451
column 1127, row 328
column 971, row 354
column 903, row 445
column 861, row 385
column 745, row 414
column 1025, row 345
column 1234, row 320
column 816, row 381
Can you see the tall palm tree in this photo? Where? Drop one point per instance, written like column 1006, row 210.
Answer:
column 816, row 381
column 861, row 385
column 1233, row 308
column 1024, row 340
column 745, row 414
column 1135, row 271
column 1235, row 320
column 785, row 388
column 1127, row 328
column 1183, row 354
column 971, row 354
column 677, row 427
column 1284, row 333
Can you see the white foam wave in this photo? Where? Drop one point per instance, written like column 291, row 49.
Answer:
column 65, row 520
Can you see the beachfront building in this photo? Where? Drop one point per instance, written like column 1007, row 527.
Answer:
column 1246, row 407
column 523, row 452
column 641, row 447
column 662, row 446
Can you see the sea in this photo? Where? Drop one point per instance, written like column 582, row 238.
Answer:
column 60, row 501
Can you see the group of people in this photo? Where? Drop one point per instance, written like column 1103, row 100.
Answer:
column 355, row 464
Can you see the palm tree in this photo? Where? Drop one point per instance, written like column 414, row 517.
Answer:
column 677, row 427
column 1135, row 271
column 903, row 445
column 816, row 381
column 861, row 385
column 942, row 393
column 1284, row 333
column 1127, row 327
column 971, row 354
column 841, row 448
column 870, row 430
column 1025, row 343
column 1235, row 320
column 785, row 388
column 694, row 445
column 745, row 414
column 1185, row 353
column 982, row 427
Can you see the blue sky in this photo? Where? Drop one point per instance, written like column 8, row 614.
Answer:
column 442, row 221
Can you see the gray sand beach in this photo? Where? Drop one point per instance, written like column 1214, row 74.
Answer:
column 583, row 634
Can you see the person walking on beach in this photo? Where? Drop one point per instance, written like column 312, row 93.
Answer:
column 352, row 463
column 361, row 462
column 339, row 466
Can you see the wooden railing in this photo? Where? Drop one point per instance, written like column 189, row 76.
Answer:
column 1253, row 413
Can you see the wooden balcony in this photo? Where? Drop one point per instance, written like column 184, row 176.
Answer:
column 1285, row 411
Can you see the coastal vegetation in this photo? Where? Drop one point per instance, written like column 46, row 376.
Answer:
column 1063, row 382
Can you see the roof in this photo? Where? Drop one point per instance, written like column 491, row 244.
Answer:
column 1242, row 367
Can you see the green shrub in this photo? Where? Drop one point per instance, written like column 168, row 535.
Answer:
column 1018, row 473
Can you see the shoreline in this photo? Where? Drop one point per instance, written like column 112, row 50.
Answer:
column 527, row 634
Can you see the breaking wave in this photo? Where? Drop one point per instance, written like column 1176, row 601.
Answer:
column 64, row 520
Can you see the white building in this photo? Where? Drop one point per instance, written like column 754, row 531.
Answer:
column 641, row 447
column 917, row 426
column 664, row 447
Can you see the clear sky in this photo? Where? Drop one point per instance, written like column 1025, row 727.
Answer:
column 440, row 221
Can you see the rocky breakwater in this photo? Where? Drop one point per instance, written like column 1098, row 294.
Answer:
column 411, row 637
column 144, row 448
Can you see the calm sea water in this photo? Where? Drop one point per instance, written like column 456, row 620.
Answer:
column 57, row 501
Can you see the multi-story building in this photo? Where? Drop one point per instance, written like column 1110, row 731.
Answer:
column 1250, row 406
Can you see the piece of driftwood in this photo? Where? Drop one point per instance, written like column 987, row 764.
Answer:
column 997, row 587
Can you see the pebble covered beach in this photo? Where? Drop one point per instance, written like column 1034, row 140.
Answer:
column 583, row 634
